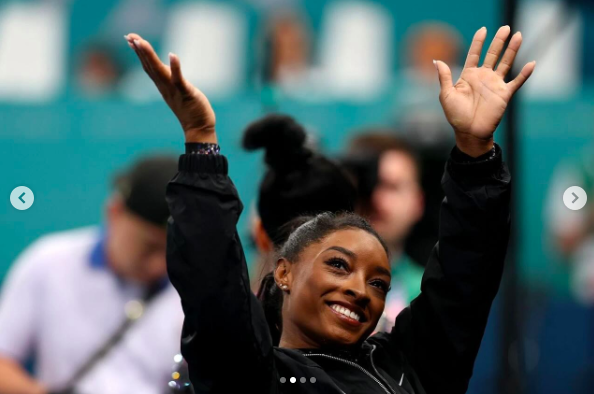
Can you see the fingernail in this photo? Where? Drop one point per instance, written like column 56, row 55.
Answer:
column 131, row 46
column 171, row 56
column 126, row 37
column 137, row 44
column 483, row 28
column 435, row 64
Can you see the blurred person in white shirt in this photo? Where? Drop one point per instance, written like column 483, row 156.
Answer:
column 69, row 293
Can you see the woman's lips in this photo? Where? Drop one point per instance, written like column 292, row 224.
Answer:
column 344, row 318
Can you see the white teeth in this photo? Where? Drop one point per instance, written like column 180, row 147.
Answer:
column 346, row 312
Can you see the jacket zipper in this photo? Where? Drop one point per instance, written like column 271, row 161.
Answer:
column 377, row 372
column 366, row 372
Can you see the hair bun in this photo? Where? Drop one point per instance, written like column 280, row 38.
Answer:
column 281, row 137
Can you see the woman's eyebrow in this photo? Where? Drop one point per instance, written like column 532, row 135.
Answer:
column 382, row 270
column 342, row 250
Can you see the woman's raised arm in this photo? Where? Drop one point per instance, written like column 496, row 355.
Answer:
column 440, row 333
column 225, row 337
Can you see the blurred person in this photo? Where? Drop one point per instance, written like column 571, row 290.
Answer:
column 417, row 113
column 333, row 272
column 297, row 181
column 98, row 71
column 93, row 307
column 393, row 202
column 286, row 64
column 573, row 231
column 421, row 122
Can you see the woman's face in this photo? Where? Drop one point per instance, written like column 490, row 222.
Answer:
column 337, row 290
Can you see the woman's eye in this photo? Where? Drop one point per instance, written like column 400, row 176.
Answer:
column 337, row 263
column 381, row 284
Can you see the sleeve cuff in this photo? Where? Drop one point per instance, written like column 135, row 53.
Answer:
column 204, row 164
column 468, row 166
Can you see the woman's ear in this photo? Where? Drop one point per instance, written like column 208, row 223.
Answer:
column 261, row 238
column 282, row 274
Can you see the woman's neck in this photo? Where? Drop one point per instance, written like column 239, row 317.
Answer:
column 293, row 338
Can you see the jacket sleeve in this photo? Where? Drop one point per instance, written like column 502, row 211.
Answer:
column 225, row 339
column 440, row 333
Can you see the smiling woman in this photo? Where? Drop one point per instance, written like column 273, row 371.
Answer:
column 333, row 271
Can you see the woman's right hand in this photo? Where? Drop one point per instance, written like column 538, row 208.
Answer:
column 189, row 104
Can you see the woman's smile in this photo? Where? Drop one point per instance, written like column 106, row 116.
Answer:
column 346, row 315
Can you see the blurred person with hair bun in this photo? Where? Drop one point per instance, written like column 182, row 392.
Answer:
column 298, row 181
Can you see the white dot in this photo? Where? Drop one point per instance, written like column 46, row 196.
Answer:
column 283, row 379
column 303, row 380
column 313, row 380
column 293, row 380
column 172, row 384
column 178, row 358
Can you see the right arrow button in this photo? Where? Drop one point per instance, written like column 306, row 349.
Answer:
column 575, row 198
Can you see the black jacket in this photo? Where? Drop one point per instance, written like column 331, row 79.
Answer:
column 434, row 342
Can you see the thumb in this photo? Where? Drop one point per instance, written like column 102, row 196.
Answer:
column 445, row 76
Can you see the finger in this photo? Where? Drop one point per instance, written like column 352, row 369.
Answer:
column 159, row 70
column 510, row 55
column 145, row 66
column 445, row 77
column 474, row 53
column 176, row 75
column 132, row 40
column 522, row 77
column 496, row 47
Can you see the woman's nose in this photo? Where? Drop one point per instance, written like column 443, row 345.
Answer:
column 357, row 289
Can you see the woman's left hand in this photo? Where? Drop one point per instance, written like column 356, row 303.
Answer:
column 475, row 105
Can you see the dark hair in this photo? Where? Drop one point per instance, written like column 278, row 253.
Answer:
column 376, row 142
column 298, row 181
column 308, row 230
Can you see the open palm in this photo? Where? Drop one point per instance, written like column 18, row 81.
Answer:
column 475, row 105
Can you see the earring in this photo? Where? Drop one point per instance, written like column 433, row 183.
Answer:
column 284, row 287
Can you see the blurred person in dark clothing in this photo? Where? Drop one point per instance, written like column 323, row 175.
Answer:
column 392, row 200
column 420, row 120
column 298, row 181
column 93, row 306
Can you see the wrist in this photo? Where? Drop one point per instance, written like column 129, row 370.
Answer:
column 201, row 135
column 473, row 146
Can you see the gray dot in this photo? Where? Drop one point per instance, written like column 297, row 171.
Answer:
column 283, row 379
column 313, row 380
column 303, row 380
column 293, row 380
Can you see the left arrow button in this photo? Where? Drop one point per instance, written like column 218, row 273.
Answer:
column 17, row 198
